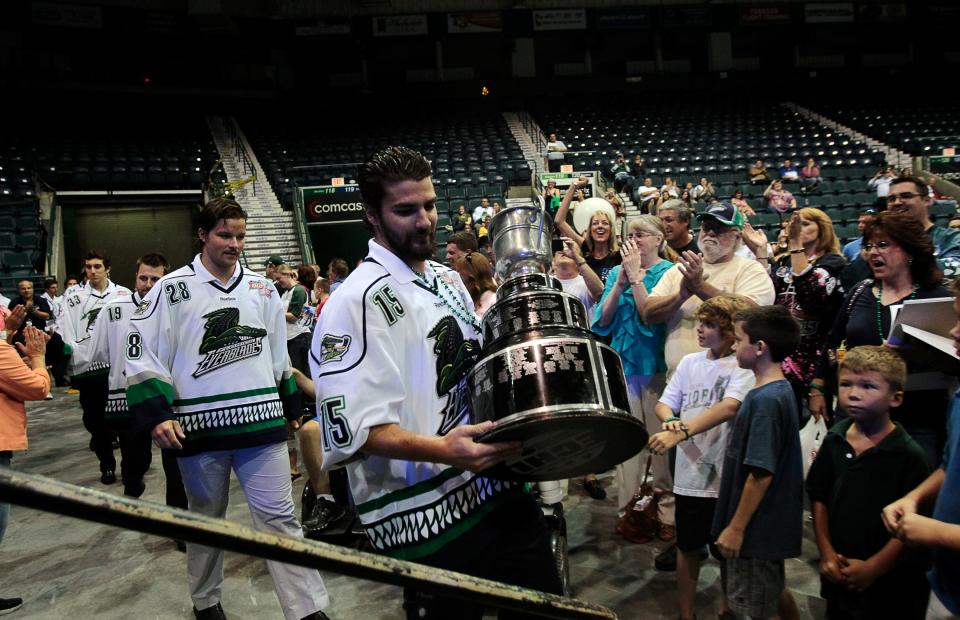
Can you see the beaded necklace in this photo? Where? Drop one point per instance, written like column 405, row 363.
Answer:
column 457, row 307
column 913, row 295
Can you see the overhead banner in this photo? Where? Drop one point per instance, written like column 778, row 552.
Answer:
column 400, row 25
column 828, row 12
column 330, row 204
column 885, row 12
column 623, row 19
column 764, row 15
column 325, row 28
column 480, row 21
column 560, row 19
column 685, row 16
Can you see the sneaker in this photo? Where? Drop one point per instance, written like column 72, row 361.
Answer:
column 210, row 613
column 10, row 605
column 327, row 518
column 108, row 477
column 594, row 488
column 666, row 560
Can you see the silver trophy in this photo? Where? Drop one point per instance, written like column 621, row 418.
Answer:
column 543, row 377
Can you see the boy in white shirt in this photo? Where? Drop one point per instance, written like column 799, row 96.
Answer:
column 704, row 393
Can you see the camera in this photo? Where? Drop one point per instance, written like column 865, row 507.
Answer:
column 556, row 245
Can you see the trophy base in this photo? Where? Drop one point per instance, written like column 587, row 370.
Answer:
column 560, row 445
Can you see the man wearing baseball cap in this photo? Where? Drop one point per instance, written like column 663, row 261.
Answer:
column 717, row 269
column 271, row 269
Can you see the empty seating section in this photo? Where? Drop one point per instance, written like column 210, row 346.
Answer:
column 108, row 154
column 472, row 156
column 21, row 238
column 916, row 128
column 720, row 141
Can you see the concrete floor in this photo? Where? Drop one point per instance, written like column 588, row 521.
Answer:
column 67, row 568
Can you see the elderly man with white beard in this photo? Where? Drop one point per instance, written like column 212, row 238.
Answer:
column 698, row 277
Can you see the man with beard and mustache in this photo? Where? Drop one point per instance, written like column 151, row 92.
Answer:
column 698, row 277
column 910, row 195
column 390, row 356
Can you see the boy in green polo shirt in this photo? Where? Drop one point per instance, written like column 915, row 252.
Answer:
column 866, row 462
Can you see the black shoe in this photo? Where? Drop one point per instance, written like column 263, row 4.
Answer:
column 666, row 560
column 317, row 615
column 108, row 477
column 594, row 489
column 135, row 489
column 327, row 518
column 181, row 546
column 210, row 613
column 308, row 500
column 10, row 605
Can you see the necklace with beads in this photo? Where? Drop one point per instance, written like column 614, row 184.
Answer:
column 913, row 295
column 456, row 306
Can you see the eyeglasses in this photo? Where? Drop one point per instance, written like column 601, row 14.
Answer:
column 880, row 246
column 715, row 227
column 904, row 197
column 639, row 234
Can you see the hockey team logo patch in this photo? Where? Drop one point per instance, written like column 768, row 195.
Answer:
column 333, row 348
column 92, row 318
column 225, row 341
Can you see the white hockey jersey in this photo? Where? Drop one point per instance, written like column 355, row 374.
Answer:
column 106, row 346
column 82, row 306
column 389, row 350
column 213, row 357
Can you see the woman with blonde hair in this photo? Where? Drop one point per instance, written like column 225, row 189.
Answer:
column 645, row 258
column 597, row 251
column 807, row 282
column 477, row 276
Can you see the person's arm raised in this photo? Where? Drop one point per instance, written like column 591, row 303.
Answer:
column 560, row 219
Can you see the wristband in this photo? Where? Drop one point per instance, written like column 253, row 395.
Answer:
column 581, row 263
column 638, row 282
column 797, row 251
column 672, row 418
column 686, row 432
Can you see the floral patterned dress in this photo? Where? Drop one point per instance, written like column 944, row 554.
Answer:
column 813, row 297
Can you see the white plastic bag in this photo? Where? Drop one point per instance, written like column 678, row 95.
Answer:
column 811, row 436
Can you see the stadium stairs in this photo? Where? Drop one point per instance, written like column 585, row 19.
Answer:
column 271, row 229
column 894, row 156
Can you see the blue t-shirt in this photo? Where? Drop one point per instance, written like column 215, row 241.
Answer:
column 765, row 436
column 640, row 345
column 945, row 576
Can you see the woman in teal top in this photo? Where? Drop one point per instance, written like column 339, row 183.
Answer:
column 645, row 258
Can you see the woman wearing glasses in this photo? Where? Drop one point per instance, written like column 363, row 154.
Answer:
column 645, row 258
column 900, row 256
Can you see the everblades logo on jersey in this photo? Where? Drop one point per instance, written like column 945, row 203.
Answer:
column 333, row 348
column 455, row 357
column 92, row 317
column 225, row 341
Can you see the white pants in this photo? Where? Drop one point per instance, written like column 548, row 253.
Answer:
column 264, row 474
column 936, row 610
column 644, row 392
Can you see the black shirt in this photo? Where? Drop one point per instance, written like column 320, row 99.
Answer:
column 40, row 304
column 690, row 247
column 600, row 266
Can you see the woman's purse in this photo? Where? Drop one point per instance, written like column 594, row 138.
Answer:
column 638, row 522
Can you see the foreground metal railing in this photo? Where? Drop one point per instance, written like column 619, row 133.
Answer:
column 51, row 495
